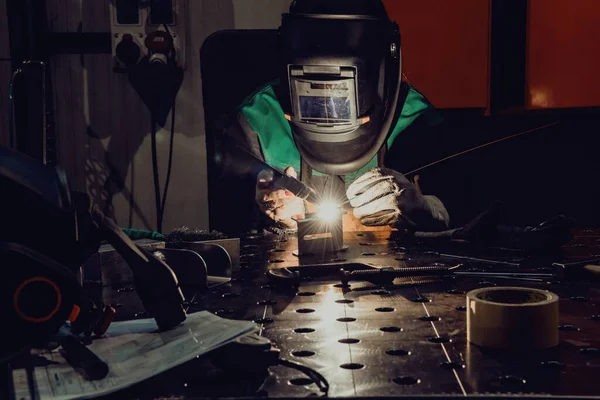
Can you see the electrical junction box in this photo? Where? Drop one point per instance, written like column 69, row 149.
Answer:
column 153, row 30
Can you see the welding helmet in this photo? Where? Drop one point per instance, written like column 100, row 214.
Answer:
column 341, row 69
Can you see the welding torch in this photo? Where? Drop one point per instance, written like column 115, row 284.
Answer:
column 284, row 181
column 294, row 186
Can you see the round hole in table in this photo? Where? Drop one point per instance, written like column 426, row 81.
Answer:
column 568, row 328
column 452, row 365
column 303, row 353
column 440, row 339
column 390, row 329
column 352, row 366
column 420, row 299
column 301, row 381
column 349, row 341
column 406, row 380
column 397, row 352
column 341, row 285
column 266, row 303
column 304, row 330
column 263, row 321
column 430, row 318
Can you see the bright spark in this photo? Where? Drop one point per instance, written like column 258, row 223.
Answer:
column 328, row 211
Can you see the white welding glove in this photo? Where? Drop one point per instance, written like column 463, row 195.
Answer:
column 276, row 203
column 385, row 197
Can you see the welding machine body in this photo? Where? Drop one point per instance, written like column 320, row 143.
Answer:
column 42, row 246
column 47, row 232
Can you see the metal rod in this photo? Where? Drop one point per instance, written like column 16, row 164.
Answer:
column 517, row 279
column 11, row 109
column 481, row 260
column 516, row 274
column 480, row 147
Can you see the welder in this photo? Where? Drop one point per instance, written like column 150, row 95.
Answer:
column 341, row 118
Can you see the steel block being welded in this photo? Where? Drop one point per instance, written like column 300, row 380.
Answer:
column 321, row 232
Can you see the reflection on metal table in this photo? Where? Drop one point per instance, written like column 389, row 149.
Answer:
column 402, row 339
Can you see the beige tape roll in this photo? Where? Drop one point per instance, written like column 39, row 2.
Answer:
column 512, row 318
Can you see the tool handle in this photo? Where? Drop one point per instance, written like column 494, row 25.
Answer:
column 298, row 188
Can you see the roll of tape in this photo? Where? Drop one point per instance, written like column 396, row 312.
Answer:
column 512, row 318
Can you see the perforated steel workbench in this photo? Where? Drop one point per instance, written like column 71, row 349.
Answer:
column 406, row 339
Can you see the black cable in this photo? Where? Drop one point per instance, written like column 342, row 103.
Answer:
column 172, row 139
column 316, row 377
column 155, row 175
column 170, row 164
column 11, row 109
column 161, row 201
column 173, row 51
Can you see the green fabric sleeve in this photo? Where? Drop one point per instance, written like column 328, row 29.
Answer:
column 137, row 234
column 415, row 106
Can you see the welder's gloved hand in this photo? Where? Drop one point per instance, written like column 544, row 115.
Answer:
column 279, row 205
column 385, row 197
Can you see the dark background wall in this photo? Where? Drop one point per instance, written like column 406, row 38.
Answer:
column 5, row 73
column 102, row 127
column 522, row 64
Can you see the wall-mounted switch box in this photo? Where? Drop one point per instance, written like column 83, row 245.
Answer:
column 152, row 30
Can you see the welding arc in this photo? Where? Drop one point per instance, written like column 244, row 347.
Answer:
column 480, row 147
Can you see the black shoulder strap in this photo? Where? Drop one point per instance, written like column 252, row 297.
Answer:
column 404, row 89
column 381, row 155
column 248, row 137
column 305, row 172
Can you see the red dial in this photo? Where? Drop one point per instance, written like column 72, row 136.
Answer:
column 159, row 42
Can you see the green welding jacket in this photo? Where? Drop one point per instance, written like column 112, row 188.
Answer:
column 258, row 125
column 262, row 114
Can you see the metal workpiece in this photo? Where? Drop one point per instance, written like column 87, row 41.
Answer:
column 400, row 338
column 321, row 234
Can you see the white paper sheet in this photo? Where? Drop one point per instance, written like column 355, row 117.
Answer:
column 134, row 351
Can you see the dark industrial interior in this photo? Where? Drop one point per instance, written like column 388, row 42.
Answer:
column 293, row 198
